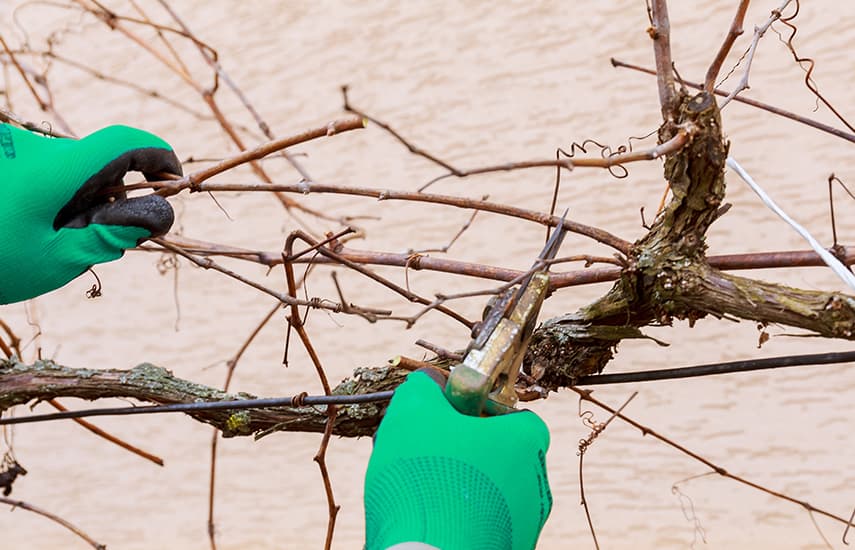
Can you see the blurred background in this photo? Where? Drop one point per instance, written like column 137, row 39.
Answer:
column 474, row 83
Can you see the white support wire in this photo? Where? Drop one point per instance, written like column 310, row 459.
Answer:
column 839, row 269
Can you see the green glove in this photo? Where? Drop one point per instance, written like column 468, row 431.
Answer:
column 55, row 221
column 453, row 481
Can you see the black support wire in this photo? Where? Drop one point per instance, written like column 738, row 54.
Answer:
column 239, row 404
column 618, row 378
column 719, row 368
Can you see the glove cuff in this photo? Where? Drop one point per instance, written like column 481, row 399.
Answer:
column 437, row 500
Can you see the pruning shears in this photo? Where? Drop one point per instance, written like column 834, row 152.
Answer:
column 483, row 384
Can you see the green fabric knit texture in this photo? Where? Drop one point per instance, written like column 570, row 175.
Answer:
column 456, row 482
column 38, row 176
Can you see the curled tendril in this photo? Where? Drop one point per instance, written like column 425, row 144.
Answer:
column 95, row 290
column 617, row 171
column 167, row 263
column 588, row 419
column 809, row 82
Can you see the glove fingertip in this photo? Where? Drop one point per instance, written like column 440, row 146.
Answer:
column 121, row 237
column 422, row 384
column 417, row 394
column 133, row 137
column 96, row 243
column 530, row 423
column 146, row 152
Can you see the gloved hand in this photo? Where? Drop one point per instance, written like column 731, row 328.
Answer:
column 453, row 481
column 55, row 221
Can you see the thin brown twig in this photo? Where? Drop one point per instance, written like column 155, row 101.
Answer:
column 588, row 259
column 410, row 364
column 14, row 341
column 331, row 238
column 726, row 262
column 443, row 298
column 556, row 187
column 461, row 231
column 56, row 519
column 772, row 260
column 207, row 263
column 114, row 22
column 212, row 487
column 412, row 297
column 320, row 459
column 733, row 33
column 224, row 76
column 410, row 261
column 809, row 83
column 111, row 18
column 660, row 32
column 567, row 164
column 439, row 351
column 319, row 303
column 194, row 180
column 759, row 32
column 645, row 430
column 256, row 167
column 406, row 143
column 369, row 314
column 819, row 531
column 411, row 320
column 5, row 349
column 42, row 104
column 848, row 525
column 834, row 244
column 108, row 436
column 6, row 115
column 600, row 235
column 7, row 99
column 232, row 365
column 148, row 92
column 583, row 447
column 608, row 162
column 760, row 105
column 296, row 323
column 207, row 94
column 606, row 152
column 42, row 80
column 584, row 501
column 8, row 351
column 160, row 35
column 671, row 146
column 833, row 177
column 45, row 104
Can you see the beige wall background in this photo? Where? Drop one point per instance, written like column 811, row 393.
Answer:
column 475, row 83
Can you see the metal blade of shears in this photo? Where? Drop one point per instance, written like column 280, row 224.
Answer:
column 483, row 384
